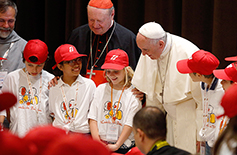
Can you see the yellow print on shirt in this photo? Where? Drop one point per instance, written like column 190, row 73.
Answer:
column 211, row 116
column 69, row 113
column 25, row 96
column 110, row 110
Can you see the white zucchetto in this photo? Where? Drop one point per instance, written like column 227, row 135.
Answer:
column 152, row 30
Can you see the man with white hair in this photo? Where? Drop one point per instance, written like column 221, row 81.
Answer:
column 101, row 35
column 156, row 75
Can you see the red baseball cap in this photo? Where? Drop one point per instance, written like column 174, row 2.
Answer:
column 36, row 48
column 229, row 102
column 229, row 73
column 7, row 100
column 42, row 136
column 116, row 59
column 66, row 52
column 231, row 58
column 101, row 4
column 76, row 144
column 12, row 144
column 201, row 62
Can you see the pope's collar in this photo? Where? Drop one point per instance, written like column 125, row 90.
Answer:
column 167, row 46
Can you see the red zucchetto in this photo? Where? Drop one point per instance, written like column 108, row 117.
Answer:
column 102, row 4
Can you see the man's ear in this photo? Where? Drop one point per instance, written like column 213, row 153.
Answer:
column 161, row 44
column 141, row 135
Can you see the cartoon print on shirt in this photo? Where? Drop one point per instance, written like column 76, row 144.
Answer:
column 110, row 110
column 211, row 116
column 25, row 96
column 68, row 112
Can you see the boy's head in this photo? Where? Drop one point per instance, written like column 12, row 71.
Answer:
column 201, row 63
column 36, row 52
column 228, row 75
column 66, row 52
column 34, row 56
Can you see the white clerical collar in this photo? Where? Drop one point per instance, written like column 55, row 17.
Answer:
column 112, row 22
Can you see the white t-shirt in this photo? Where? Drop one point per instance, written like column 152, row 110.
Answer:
column 211, row 103
column 23, row 115
column 63, row 112
column 100, row 110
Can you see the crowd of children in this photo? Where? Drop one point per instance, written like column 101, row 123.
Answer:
column 76, row 105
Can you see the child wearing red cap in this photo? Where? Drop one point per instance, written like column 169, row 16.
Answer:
column 200, row 68
column 229, row 78
column 114, row 105
column 70, row 99
column 227, row 142
column 228, row 75
column 30, row 85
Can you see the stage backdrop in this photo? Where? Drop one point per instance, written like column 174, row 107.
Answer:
column 210, row 24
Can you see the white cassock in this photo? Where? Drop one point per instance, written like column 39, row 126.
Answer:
column 182, row 97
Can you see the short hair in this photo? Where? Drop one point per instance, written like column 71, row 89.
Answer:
column 4, row 4
column 151, row 120
column 111, row 10
column 207, row 76
column 57, row 71
column 155, row 41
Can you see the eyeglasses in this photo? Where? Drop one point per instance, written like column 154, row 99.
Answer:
column 73, row 62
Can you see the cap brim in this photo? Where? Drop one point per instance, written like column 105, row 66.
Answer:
column 70, row 57
column 231, row 58
column 220, row 74
column 112, row 66
column 182, row 66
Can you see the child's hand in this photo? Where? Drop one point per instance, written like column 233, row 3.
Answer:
column 53, row 82
column 113, row 147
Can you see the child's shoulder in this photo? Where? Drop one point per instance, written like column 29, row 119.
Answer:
column 47, row 75
column 15, row 73
column 86, row 80
column 103, row 85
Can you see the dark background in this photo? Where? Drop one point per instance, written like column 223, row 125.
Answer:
column 210, row 24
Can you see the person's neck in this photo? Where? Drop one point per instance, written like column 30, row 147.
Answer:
column 117, row 86
column 149, row 143
column 69, row 79
column 208, row 81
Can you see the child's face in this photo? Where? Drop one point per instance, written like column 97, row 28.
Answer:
column 226, row 84
column 34, row 69
column 71, row 68
column 195, row 77
column 116, row 77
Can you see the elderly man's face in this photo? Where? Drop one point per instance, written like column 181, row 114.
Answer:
column 99, row 20
column 7, row 22
column 152, row 50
